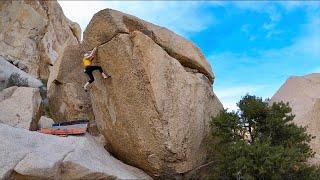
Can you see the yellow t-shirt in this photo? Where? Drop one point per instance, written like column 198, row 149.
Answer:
column 86, row 62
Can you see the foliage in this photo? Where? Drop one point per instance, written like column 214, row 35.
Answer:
column 47, row 110
column 259, row 141
column 16, row 80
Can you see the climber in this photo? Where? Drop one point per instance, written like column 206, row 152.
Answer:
column 87, row 63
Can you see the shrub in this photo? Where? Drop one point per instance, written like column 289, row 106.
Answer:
column 16, row 80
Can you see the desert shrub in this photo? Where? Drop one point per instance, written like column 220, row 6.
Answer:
column 16, row 80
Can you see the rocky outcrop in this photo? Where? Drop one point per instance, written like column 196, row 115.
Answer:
column 75, row 28
column 20, row 107
column 155, row 110
column 67, row 99
column 108, row 23
column 35, row 33
column 8, row 70
column 31, row 155
column 303, row 95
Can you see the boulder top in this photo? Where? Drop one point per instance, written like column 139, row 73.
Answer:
column 108, row 23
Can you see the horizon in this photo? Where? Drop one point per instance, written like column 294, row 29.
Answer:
column 252, row 47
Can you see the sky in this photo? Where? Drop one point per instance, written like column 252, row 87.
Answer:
column 253, row 47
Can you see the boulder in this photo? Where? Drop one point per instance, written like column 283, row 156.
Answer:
column 76, row 29
column 32, row 155
column 67, row 98
column 34, row 32
column 45, row 122
column 7, row 70
column 155, row 110
column 108, row 23
column 303, row 95
column 20, row 107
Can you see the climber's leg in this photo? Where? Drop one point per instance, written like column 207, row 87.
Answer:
column 88, row 71
column 104, row 75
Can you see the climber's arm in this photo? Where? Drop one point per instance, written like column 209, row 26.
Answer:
column 93, row 53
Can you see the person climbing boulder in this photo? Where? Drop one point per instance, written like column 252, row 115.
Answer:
column 89, row 68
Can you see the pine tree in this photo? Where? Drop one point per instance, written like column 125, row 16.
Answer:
column 259, row 141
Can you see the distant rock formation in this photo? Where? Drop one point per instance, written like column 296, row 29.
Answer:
column 35, row 33
column 155, row 110
column 303, row 95
column 32, row 155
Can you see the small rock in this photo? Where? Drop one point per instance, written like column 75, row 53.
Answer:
column 100, row 139
column 45, row 122
column 16, row 62
column 22, row 66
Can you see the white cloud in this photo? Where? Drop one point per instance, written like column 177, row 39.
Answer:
column 237, row 91
column 291, row 5
column 230, row 96
column 182, row 18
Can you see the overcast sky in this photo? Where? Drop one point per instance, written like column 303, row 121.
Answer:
column 253, row 47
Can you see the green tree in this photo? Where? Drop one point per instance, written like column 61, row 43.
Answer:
column 259, row 141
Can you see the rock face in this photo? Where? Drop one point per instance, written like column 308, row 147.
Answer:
column 303, row 95
column 34, row 33
column 7, row 70
column 20, row 107
column 31, row 155
column 155, row 110
column 68, row 100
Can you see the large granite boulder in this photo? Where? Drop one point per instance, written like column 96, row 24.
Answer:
column 20, row 107
column 32, row 155
column 34, row 33
column 155, row 110
column 303, row 95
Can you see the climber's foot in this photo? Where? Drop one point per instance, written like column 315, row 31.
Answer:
column 105, row 76
column 85, row 87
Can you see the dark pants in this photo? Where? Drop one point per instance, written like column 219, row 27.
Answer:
column 89, row 69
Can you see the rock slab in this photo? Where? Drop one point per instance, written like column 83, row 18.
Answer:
column 32, row 155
